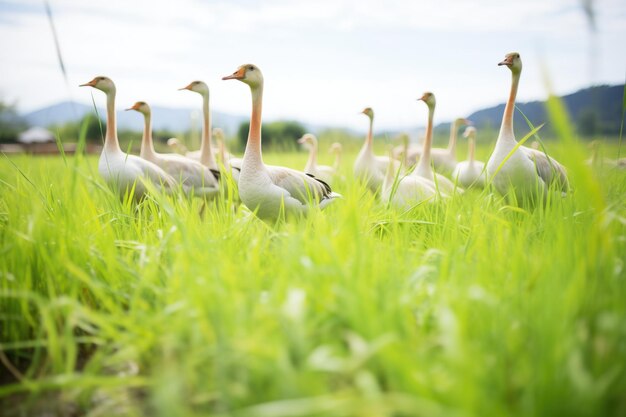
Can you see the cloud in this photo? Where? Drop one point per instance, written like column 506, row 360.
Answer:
column 322, row 60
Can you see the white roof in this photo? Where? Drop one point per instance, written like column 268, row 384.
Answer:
column 35, row 135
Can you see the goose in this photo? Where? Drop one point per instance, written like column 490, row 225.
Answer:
column 120, row 170
column 528, row 172
column 597, row 161
column 323, row 172
column 368, row 166
column 470, row 173
column 423, row 168
column 336, row 148
column 177, row 146
column 195, row 178
column 412, row 152
column 272, row 191
column 206, row 154
column 444, row 159
column 410, row 190
column 232, row 165
column 401, row 152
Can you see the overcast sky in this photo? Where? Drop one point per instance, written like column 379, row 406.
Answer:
column 323, row 60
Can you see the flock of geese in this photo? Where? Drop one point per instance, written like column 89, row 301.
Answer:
column 271, row 191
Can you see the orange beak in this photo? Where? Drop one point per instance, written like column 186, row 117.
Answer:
column 91, row 83
column 508, row 61
column 423, row 98
column 237, row 75
column 187, row 87
column 133, row 107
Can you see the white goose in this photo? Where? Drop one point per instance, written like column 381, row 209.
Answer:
column 231, row 164
column 444, row 159
column 206, row 154
column 119, row 169
column 410, row 189
column 336, row 149
column 177, row 146
column 470, row 173
column 271, row 190
column 528, row 172
column 323, row 172
column 195, row 178
column 423, row 168
column 368, row 166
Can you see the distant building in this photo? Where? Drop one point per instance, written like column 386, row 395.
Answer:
column 35, row 135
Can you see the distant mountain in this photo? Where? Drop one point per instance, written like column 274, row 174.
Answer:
column 593, row 110
column 164, row 118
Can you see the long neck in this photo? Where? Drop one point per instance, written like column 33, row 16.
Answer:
column 206, row 153
column 423, row 167
column 337, row 161
column 472, row 148
column 147, row 148
column 506, row 129
column 452, row 142
column 111, row 142
column 369, row 140
column 312, row 162
column 253, row 147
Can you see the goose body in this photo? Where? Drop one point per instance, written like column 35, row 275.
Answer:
column 370, row 167
column 120, row 170
column 444, row 159
column 195, row 178
column 528, row 172
column 424, row 168
column 323, row 172
column 470, row 173
column 410, row 190
column 267, row 190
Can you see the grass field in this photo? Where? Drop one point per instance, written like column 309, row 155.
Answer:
column 469, row 307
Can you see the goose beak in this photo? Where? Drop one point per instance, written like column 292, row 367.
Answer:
column 237, row 75
column 301, row 141
column 91, row 83
column 187, row 87
column 422, row 98
column 508, row 61
column 468, row 122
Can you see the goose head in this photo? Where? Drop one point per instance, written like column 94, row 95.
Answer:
column 368, row 112
column 470, row 132
column 140, row 106
column 429, row 99
column 335, row 148
column 249, row 74
column 101, row 83
column 463, row 122
column 173, row 143
column 513, row 61
column 218, row 134
column 199, row 87
column 308, row 139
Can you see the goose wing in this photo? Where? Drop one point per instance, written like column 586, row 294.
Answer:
column 151, row 171
column 303, row 187
column 547, row 168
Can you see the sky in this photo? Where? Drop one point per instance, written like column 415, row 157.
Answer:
column 323, row 61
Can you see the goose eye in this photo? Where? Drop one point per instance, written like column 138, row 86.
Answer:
column 251, row 68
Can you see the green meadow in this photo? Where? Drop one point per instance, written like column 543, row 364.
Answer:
column 173, row 307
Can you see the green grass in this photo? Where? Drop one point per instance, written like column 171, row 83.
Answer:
column 469, row 307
